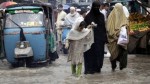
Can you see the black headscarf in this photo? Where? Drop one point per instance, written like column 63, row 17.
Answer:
column 94, row 13
column 97, row 17
column 95, row 7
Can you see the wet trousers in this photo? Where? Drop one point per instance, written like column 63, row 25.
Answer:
column 122, row 59
column 76, row 69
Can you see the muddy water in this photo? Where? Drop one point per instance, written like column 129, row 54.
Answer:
column 137, row 72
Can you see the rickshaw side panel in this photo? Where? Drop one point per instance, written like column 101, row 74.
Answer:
column 38, row 43
column 10, row 40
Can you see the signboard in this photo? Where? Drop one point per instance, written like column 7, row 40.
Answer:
column 23, row 11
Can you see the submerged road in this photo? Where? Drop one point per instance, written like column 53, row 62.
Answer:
column 59, row 72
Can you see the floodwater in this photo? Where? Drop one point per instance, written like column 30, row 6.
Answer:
column 59, row 72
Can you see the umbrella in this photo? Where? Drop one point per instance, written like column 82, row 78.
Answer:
column 8, row 3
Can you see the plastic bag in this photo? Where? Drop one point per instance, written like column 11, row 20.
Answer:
column 123, row 37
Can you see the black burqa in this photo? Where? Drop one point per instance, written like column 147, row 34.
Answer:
column 93, row 58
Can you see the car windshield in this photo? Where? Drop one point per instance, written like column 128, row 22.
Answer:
column 24, row 20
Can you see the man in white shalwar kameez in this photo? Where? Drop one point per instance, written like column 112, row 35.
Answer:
column 59, row 23
column 71, row 17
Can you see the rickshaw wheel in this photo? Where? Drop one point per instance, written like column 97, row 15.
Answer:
column 18, row 64
column 29, row 61
column 22, row 62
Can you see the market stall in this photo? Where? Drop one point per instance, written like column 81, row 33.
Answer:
column 139, row 42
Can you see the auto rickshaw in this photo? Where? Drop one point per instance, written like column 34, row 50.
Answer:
column 25, row 33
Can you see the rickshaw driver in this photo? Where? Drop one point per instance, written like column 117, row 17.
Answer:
column 59, row 24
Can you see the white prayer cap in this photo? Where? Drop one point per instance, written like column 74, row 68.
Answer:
column 72, row 8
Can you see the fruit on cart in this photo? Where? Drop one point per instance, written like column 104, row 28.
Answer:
column 139, row 22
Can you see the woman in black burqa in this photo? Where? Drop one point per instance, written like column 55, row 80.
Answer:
column 93, row 58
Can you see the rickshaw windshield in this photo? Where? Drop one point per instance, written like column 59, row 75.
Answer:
column 24, row 19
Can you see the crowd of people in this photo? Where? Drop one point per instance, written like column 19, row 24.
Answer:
column 90, row 32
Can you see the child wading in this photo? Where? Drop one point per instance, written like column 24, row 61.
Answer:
column 78, row 40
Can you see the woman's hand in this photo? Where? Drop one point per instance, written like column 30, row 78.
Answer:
column 89, row 26
column 67, row 44
column 93, row 24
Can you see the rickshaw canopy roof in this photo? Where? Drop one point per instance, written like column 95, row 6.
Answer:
column 46, row 7
column 24, row 7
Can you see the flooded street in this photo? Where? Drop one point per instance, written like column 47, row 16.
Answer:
column 59, row 72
